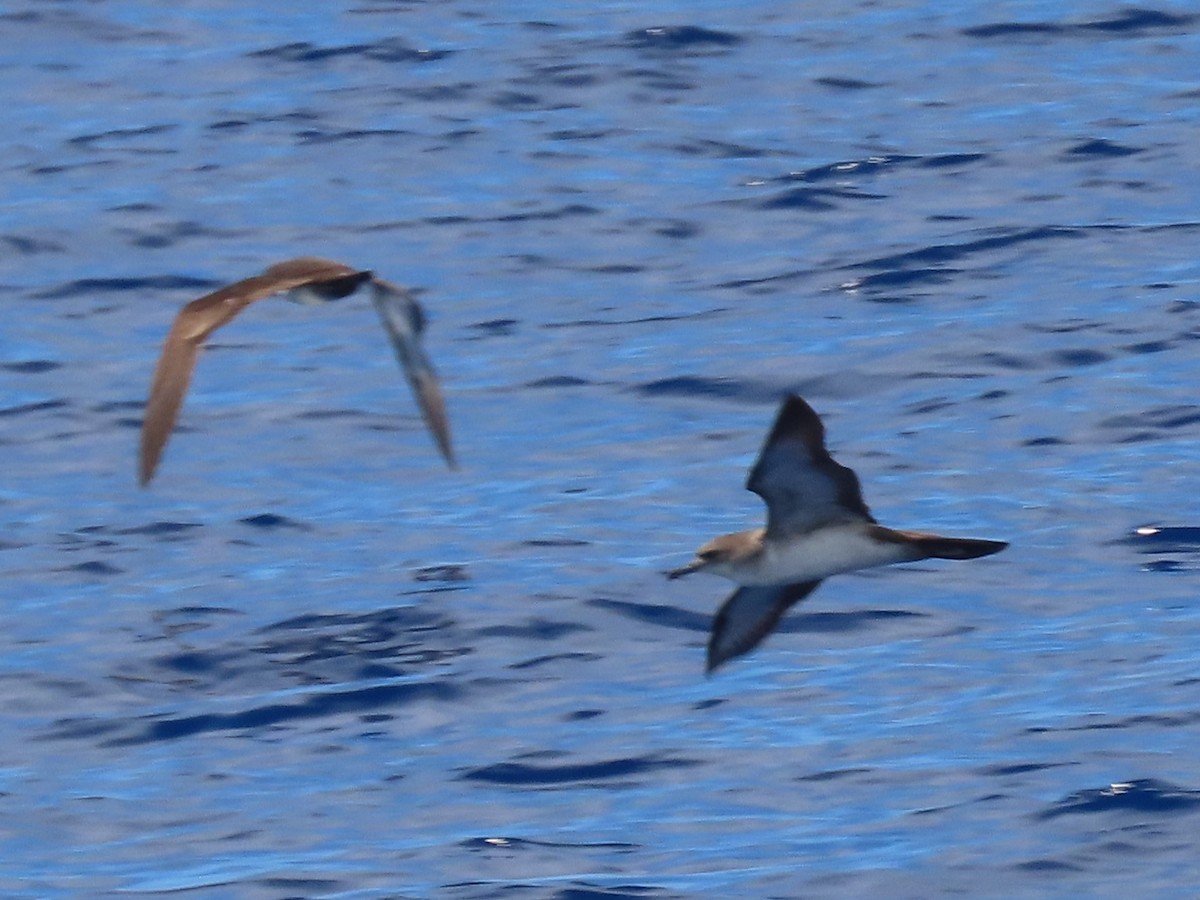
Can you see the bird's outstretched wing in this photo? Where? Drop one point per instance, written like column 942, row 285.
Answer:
column 200, row 318
column 748, row 616
column 404, row 321
column 804, row 488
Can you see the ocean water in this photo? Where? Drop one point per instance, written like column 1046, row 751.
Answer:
column 310, row 661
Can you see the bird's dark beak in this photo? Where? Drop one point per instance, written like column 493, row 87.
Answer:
column 694, row 566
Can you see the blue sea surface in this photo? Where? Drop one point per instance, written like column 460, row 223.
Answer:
column 311, row 661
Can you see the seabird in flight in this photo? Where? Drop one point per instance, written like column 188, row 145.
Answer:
column 308, row 280
column 817, row 526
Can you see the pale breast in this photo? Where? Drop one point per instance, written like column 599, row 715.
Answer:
column 820, row 554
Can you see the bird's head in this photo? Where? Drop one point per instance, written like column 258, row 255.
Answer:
column 316, row 293
column 723, row 555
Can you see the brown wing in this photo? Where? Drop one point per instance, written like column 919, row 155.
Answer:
column 195, row 322
column 404, row 321
column 306, row 269
column 803, row 487
column 323, row 279
column 748, row 616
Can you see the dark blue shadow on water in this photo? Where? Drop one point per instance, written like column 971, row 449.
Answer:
column 1154, row 540
column 270, row 521
column 1141, row 795
column 549, row 659
column 30, row 366
column 526, row 775
column 1101, row 147
column 657, row 614
column 1002, row 238
column 723, row 388
column 160, row 529
column 487, row 844
column 386, row 50
column 86, row 287
column 621, row 892
column 576, row 891
column 1128, row 22
column 680, row 37
column 534, row 629
column 370, row 699
column 871, row 165
column 796, row 622
column 814, row 199
column 26, row 408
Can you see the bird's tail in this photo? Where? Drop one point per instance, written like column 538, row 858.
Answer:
column 938, row 547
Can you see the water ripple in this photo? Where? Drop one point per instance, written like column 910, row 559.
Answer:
column 1143, row 795
column 1127, row 23
column 597, row 773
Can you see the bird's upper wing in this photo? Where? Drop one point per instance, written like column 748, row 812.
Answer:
column 200, row 318
column 803, row 487
column 748, row 616
column 404, row 321
column 307, row 269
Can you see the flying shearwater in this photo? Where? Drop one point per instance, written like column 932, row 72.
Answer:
column 817, row 526
column 307, row 280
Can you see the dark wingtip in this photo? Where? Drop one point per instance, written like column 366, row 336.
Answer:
column 796, row 419
column 940, row 547
column 979, row 547
column 441, row 437
column 147, row 462
column 712, row 661
column 796, row 403
column 796, row 415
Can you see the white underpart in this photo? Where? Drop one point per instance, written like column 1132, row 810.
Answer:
column 819, row 554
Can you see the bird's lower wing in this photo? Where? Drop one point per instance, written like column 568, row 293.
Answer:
column 748, row 616
column 172, row 375
column 403, row 319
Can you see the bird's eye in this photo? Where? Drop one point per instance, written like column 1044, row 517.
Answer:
column 707, row 555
